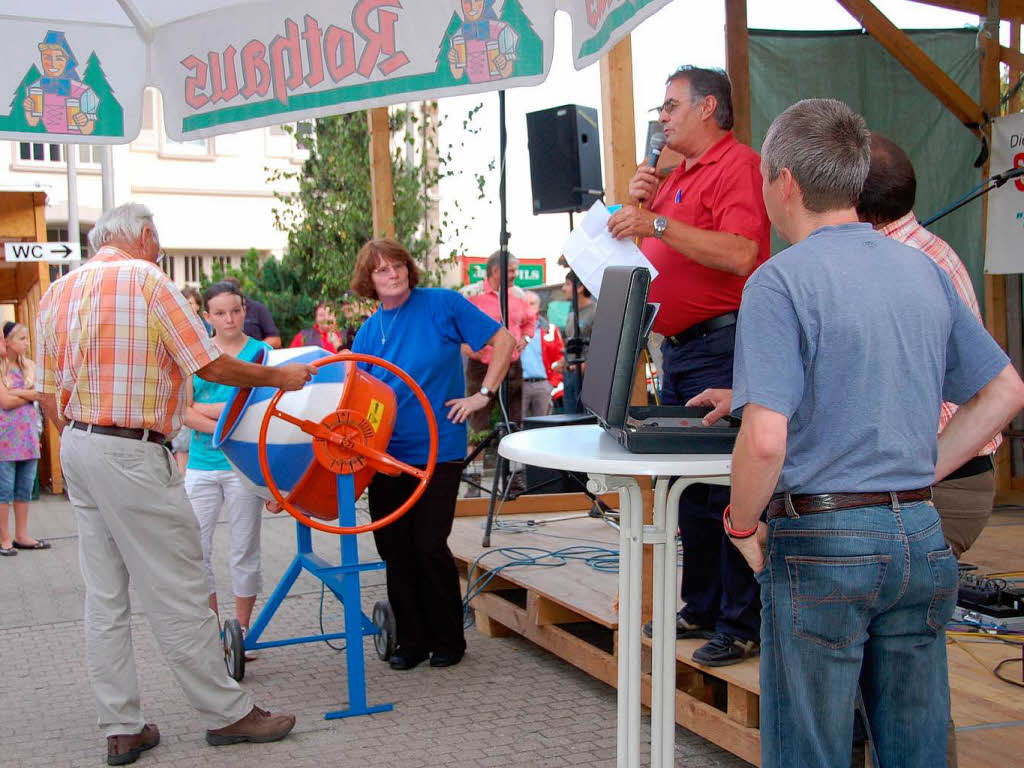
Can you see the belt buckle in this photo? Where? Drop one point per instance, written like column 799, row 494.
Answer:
column 787, row 501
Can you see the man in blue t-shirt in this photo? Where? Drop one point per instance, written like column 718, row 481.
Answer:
column 847, row 342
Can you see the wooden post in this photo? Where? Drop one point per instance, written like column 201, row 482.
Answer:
column 737, row 64
column 1017, row 102
column 618, row 137
column 382, row 189
column 995, row 285
column 619, row 147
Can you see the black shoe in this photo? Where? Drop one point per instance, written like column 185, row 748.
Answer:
column 402, row 659
column 443, row 659
column 722, row 650
column 684, row 629
column 516, row 486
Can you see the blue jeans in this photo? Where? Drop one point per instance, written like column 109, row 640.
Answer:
column 17, row 479
column 856, row 597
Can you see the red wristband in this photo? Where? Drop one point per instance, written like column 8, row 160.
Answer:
column 732, row 532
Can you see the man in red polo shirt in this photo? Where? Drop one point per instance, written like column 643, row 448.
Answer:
column 705, row 229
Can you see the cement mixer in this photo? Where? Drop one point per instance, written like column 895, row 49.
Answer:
column 313, row 452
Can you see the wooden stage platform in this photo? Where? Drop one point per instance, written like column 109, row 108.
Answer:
column 570, row 610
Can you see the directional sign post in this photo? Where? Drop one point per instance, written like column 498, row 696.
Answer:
column 51, row 253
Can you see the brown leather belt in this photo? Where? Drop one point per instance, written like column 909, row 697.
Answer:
column 812, row 503
column 131, row 434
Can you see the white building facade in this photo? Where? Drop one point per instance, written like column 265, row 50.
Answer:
column 211, row 198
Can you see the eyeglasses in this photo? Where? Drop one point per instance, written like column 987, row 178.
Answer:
column 390, row 266
column 667, row 107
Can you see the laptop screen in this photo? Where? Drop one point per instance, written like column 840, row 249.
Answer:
column 620, row 329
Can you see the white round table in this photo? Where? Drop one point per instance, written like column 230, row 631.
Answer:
column 611, row 467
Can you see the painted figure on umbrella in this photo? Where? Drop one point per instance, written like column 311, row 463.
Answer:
column 485, row 48
column 59, row 98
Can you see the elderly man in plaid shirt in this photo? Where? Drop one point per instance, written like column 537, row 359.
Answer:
column 117, row 344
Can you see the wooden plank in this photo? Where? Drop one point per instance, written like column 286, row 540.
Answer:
column 1013, row 58
column 489, row 627
column 618, row 134
column 18, row 216
column 542, row 611
column 917, row 62
column 1008, row 9
column 382, row 187
column 743, row 706
column 737, row 64
column 581, row 654
column 575, row 585
column 1016, row 66
column 534, row 502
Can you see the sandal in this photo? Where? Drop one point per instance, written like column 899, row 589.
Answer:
column 8, row 551
column 40, row 544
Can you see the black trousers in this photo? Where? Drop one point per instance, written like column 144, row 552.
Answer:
column 422, row 578
column 718, row 588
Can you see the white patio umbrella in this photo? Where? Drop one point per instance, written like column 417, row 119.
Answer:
column 76, row 69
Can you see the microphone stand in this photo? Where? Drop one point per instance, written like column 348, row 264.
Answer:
column 983, row 188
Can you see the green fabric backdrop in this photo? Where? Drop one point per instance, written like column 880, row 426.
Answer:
column 851, row 66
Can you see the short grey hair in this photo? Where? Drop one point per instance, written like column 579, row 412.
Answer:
column 494, row 261
column 125, row 222
column 827, row 148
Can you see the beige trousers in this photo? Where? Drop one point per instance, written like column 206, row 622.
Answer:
column 135, row 525
column 964, row 505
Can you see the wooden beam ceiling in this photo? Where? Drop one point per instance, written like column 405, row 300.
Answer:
column 917, row 62
column 1008, row 9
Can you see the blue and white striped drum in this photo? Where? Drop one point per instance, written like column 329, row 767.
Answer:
column 298, row 474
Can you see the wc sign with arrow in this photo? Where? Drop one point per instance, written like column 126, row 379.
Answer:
column 50, row 253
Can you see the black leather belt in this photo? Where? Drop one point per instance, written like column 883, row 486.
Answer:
column 701, row 329
column 813, row 503
column 131, row 434
column 536, row 378
column 976, row 466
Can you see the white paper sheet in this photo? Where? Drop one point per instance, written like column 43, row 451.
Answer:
column 590, row 248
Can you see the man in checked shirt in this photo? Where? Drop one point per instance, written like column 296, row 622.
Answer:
column 117, row 344
column 964, row 498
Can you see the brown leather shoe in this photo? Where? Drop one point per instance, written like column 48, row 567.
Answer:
column 125, row 748
column 258, row 726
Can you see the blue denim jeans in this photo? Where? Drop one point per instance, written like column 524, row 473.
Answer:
column 856, row 597
column 17, row 479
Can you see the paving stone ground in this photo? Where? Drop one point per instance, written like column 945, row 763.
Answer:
column 509, row 703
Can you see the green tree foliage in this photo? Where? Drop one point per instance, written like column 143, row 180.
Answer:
column 328, row 217
column 278, row 284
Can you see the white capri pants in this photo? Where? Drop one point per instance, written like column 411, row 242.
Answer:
column 209, row 490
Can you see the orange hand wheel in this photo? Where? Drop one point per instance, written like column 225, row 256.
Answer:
column 341, row 445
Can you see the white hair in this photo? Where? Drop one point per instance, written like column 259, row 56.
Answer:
column 125, row 222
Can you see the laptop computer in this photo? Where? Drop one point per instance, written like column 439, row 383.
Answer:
column 621, row 328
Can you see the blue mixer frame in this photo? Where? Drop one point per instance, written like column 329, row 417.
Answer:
column 343, row 581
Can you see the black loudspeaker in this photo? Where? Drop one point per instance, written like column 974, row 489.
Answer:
column 544, row 480
column 565, row 158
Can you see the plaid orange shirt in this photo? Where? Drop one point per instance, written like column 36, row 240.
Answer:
column 907, row 231
column 117, row 343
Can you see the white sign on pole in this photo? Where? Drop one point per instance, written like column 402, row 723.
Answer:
column 1004, row 249
column 50, row 253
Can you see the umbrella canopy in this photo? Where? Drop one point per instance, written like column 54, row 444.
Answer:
column 77, row 69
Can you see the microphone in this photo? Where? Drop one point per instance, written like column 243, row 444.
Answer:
column 654, row 151
column 1005, row 176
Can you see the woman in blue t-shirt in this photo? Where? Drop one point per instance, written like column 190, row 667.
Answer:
column 210, row 482
column 421, row 330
